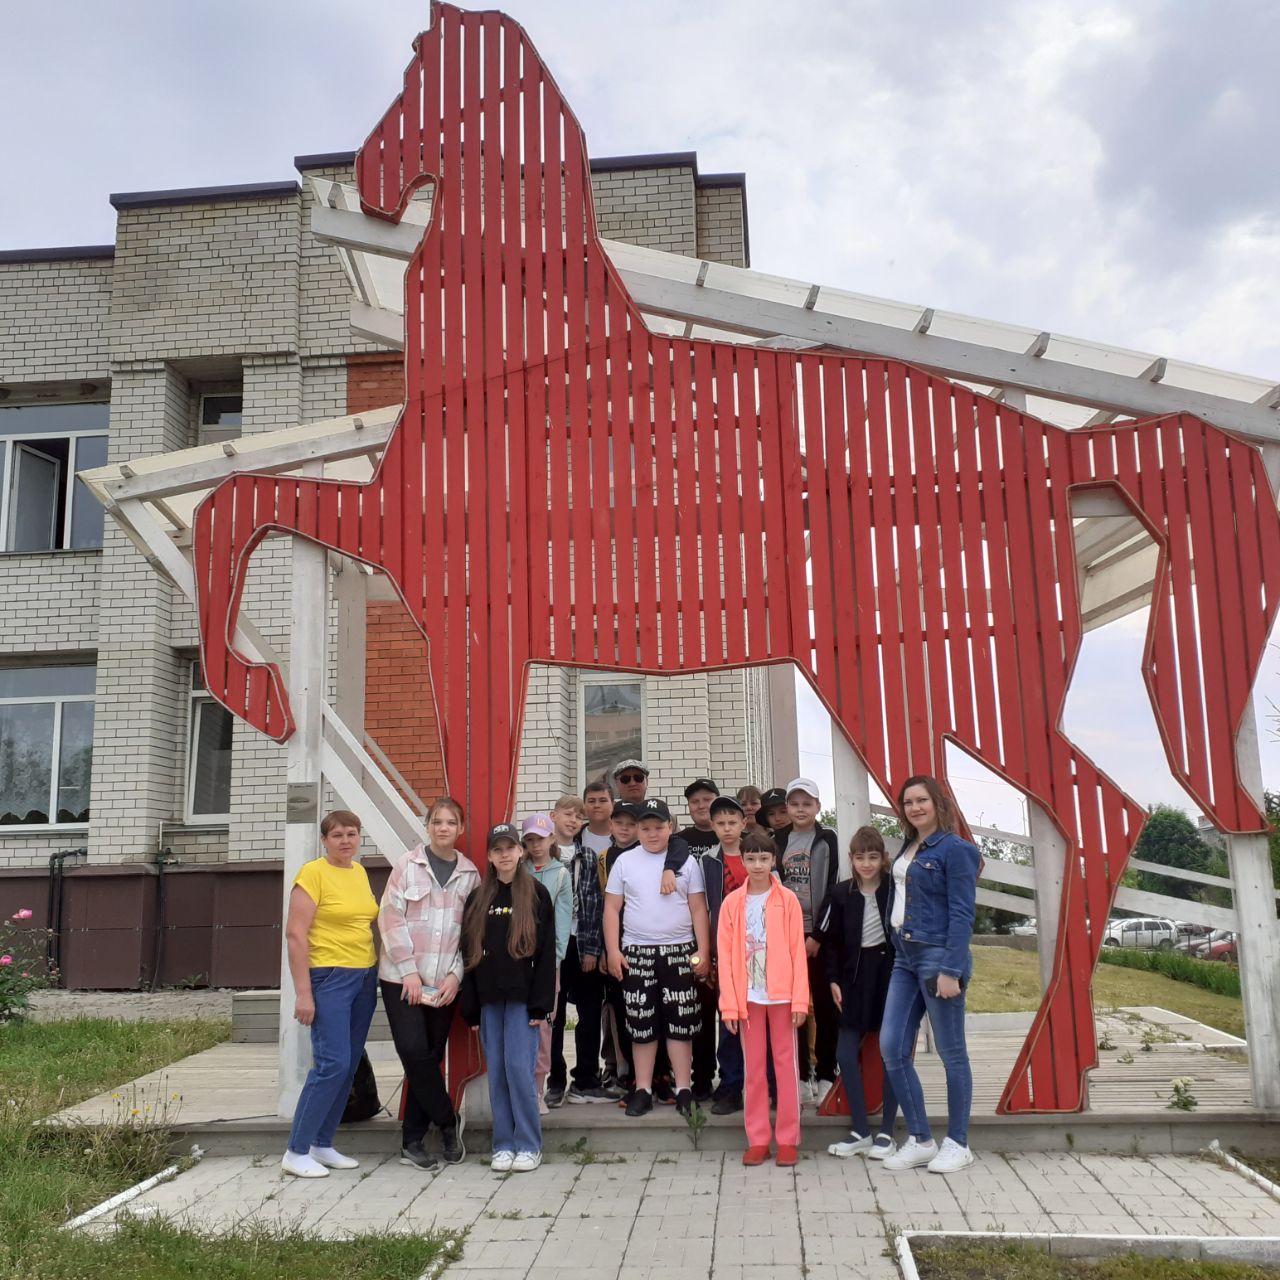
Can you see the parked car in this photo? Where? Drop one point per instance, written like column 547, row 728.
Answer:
column 1190, row 936
column 1219, row 945
column 1027, row 929
column 1141, row 933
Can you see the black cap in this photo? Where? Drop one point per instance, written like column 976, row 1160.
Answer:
column 503, row 831
column 653, row 809
column 701, row 784
column 727, row 804
column 772, row 798
column 625, row 809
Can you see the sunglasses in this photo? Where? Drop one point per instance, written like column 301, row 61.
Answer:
column 631, row 777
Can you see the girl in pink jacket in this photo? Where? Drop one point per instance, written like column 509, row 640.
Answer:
column 764, row 983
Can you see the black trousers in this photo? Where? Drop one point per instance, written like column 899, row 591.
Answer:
column 827, row 1027
column 704, row 1043
column 585, row 991
column 420, row 1032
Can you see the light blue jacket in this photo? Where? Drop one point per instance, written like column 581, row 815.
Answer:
column 557, row 880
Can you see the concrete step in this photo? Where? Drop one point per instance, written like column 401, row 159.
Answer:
column 255, row 1019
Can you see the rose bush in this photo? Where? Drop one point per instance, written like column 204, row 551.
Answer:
column 24, row 967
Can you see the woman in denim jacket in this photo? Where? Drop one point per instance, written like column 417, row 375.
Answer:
column 931, row 909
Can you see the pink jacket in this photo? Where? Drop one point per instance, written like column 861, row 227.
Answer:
column 786, row 964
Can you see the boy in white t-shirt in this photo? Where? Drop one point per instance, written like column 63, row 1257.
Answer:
column 658, row 953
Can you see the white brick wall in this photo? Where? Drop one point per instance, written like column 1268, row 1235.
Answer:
column 49, row 602
column 53, row 320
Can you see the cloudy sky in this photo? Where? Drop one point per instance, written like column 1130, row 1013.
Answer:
column 1101, row 170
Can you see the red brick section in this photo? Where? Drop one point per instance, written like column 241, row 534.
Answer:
column 399, row 713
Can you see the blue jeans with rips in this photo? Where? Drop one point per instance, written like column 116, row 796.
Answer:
column 511, row 1053
column 914, row 964
column 345, row 1001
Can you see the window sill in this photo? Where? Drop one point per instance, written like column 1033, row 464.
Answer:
column 43, row 829
column 51, row 551
column 201, row 824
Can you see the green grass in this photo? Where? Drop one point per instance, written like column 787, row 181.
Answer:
column 1268, row 1166
column 1019, row 1262
column 49, row 1174
column 1212, row 975
column 1005, row 981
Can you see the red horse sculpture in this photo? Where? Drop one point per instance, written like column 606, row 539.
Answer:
column 566, row 486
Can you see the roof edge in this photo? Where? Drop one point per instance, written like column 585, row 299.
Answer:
column 59, row 253
column 205, row 195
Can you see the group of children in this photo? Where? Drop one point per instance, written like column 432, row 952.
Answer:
column 649, row 933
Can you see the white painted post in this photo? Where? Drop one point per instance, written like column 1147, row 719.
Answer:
column 1257, row 932
column 853, row 795
column 1048, row 859
column 302, row 833
column 784, row 729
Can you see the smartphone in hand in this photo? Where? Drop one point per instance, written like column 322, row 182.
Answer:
column 931, row 985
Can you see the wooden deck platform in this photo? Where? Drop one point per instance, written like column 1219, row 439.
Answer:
column 228, row 1098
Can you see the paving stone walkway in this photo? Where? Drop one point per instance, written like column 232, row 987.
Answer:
column 702, row 1216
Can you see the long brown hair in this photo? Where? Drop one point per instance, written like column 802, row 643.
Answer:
column 941, row 803
column 522, row 932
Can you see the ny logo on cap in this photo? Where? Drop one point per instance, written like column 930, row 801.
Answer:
column 651, row 804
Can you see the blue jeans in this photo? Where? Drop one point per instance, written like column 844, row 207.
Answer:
column 511, row 1051
column 345, row 1000
column 733, row 1073
column 848, row 1043
column 914, row 964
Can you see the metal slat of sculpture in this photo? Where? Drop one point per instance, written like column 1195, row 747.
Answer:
column 565, row 486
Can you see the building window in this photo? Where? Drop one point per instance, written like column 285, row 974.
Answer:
column 43, row 507
column 612, row 723
column 46, row 745
column 208, row 756
column 221, row 418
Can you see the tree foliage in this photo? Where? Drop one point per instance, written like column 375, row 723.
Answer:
column 1171, row 839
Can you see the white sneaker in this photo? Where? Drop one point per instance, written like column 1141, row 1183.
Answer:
column 851, row 1146
column 951, row 1158
column 332, row 1159
column 543, row 1109
column 882, row 1148
column 303, row 1166
column 824, row 1087
column 502, row 1161
column 526, row 1161
column 911, row 1155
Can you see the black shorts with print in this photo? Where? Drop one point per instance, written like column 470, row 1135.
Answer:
column 660, row 992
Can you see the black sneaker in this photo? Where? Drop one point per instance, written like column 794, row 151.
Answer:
column 640, row 1103
column 727, row 1104
column 685, row 1101
column 702, row 1096
column 554, row 1096
column 417, row 1155
column 664, row 1093
column 614, row 1087
column 588, row 1093
column 452, row 1147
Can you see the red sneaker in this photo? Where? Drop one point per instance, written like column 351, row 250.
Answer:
column 787, row 1155
column 756, row 1155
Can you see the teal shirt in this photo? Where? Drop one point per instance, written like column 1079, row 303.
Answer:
column 557, row 880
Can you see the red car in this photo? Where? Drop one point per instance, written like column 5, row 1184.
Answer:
column 1219, row 945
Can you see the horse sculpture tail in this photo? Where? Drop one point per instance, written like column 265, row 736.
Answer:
column 229, row 525
column 1214, row 599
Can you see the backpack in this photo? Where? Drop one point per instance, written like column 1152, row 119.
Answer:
column 363, row 1103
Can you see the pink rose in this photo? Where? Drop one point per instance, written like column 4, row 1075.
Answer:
column 23, row 914
column 6, row 960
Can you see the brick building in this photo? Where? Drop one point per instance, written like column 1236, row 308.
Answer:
column 217, row 314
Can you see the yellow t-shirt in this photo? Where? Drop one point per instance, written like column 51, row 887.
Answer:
column 341, row 933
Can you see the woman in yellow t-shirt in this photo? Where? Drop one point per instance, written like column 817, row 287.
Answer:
column 330, row 934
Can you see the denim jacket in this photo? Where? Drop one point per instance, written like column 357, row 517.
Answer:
column 942, row 886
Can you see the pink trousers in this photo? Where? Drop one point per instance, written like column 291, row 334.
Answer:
column 543, row 1066
column 756, row 1044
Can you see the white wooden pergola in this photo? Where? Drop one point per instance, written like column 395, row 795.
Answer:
column 1067, row 381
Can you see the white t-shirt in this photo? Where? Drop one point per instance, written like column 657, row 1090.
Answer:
column 650, row 919
column 567, row 852
column 597, row 844
column 872, row 925
column 757, row 950
column 899, row 913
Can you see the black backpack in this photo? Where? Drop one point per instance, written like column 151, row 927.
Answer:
column 363, row 1103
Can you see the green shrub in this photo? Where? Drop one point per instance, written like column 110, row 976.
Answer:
column 1212, row 975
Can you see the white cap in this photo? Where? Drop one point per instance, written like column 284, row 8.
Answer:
column 807, row 785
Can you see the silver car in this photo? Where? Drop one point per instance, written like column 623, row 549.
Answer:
column 1146, row 933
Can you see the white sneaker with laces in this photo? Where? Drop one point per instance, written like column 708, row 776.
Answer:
column 302, row 1166
column 911, row 1155
column 882, row 1148
column 526, row 1161
column 332, row 1159
column 851, row 1146
column 502, row 1161
column 951, row 1158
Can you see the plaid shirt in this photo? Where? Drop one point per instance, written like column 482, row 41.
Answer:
column 421, row 922
column 588, row 899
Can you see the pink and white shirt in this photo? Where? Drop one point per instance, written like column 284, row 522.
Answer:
column 420, row 920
